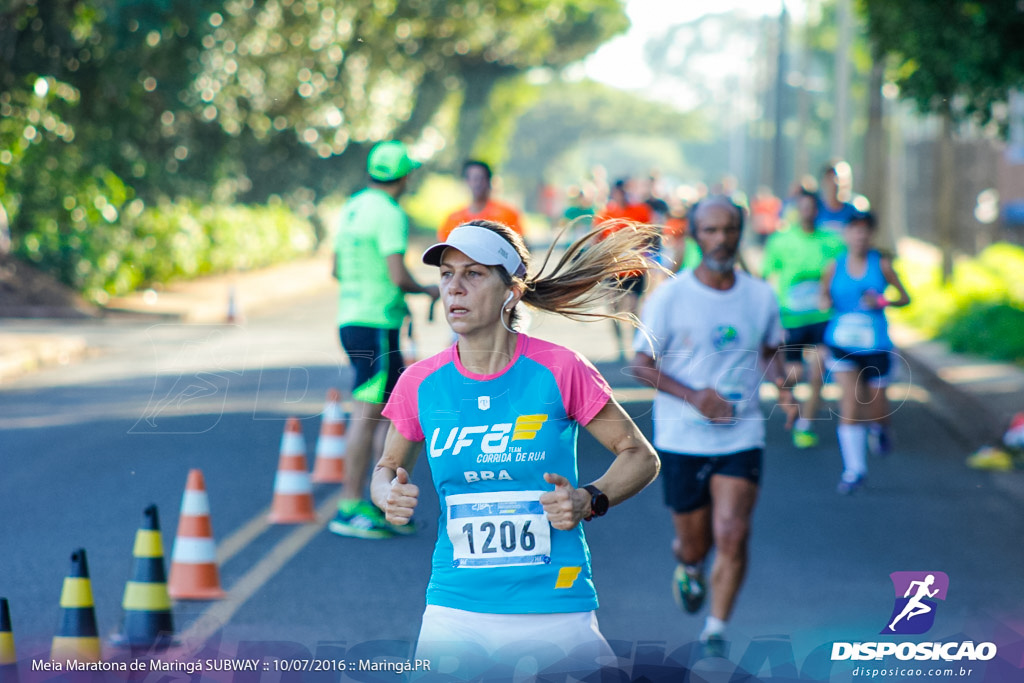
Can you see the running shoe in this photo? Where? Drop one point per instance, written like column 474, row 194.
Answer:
column 804, row 439
column 363, row 521
column 688, row 590
column 879, row 442
column 715, row 645
column 848, row 487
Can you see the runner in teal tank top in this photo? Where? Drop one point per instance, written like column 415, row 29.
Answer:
column 859, row 346
column 498, row 415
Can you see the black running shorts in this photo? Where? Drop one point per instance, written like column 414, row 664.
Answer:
column 376, row 358
column 687, row 478
column 799, row 338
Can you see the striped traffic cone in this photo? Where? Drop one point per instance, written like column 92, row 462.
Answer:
column 293, row 490
column 329, row 466
column 8, row 658
column 194, row 574
column 147, row 605
column 78, row 638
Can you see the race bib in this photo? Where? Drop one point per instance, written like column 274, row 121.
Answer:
column 803, row 297
column 854, row 331
column 498, row 529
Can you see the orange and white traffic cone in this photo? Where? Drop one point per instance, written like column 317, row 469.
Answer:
column 8, row 657
column 293, row 490
column 78, row 638
column 194, row 574
column 329, row 466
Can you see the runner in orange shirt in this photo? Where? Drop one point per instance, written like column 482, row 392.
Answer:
column 632, row 283
column 477, row 175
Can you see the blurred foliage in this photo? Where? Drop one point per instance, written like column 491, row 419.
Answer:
column 992, row 330
column 106, row 104
column 434, row 197
column 963, row 56
column 167, row 242
column 979, row 310
column 568, row 114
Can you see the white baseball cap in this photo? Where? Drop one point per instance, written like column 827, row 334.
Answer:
column 480, row 244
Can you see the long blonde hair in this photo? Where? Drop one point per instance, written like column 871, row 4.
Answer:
column 589, row 271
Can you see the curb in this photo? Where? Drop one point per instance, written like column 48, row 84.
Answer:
column 972, row 422
column 21, row 354
column 218, row 299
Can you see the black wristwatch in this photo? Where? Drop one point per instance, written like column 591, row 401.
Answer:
column 598, row 502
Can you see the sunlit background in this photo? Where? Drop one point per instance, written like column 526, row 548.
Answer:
column 135, row 138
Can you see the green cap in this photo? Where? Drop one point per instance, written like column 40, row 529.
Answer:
column 389, row 161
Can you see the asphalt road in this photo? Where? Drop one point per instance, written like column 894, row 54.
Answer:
column 84, row 449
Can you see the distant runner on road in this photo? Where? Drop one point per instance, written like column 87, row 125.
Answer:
column 482, row 205
column 794, row 260
column 716, row 334
column 370, row 267
column 860, row 350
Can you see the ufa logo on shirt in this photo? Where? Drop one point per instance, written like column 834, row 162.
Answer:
column 491, row 438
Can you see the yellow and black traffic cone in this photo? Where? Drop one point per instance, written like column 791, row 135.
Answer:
column 8, row 658
column 78, row 638
column 147, row 620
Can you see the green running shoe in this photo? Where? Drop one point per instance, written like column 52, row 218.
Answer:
column 363, row 520
column 802, row 439
column 688, row 590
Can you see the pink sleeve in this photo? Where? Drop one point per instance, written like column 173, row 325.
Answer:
column 403, row 407
column 584, row 390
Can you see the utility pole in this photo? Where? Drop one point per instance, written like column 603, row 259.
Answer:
column 876, row 151
column 778, row 181
column 841, row 122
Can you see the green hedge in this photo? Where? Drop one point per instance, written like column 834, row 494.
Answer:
column 147, row 245
column 993, row 330
column 979, row 311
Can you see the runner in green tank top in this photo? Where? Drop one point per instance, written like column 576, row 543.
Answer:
column 794, row 259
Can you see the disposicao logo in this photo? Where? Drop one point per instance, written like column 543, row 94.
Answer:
column 913, row 613
column 916, row 592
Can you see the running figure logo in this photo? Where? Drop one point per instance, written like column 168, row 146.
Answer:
column 914, row 610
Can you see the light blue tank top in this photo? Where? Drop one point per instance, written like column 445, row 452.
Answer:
column 489, row 440
column 854, row 328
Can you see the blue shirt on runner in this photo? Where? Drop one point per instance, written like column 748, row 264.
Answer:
column 489, row 441
column 854, row 328
column 834, row 219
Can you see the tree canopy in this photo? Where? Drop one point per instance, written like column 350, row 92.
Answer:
column 108, row 106
column 960, row 56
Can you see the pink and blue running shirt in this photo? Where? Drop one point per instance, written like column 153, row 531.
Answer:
column 489, row 440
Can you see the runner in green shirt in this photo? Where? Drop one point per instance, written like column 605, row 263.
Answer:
column 370, row 266
column 794, row 259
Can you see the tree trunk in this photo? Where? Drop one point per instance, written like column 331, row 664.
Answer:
column 841, row 120
column 479, row 79
column 945, row 205
column 875, row 176
column 430, row 96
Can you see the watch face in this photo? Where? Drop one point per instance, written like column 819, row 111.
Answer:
column 598, row 501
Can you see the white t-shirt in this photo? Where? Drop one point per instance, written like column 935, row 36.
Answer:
column 704, row 337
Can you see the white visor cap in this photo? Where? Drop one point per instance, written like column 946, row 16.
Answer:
column 480, row 244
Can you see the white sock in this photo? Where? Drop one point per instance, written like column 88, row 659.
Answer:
column 853, row 445
column 713, row 626
column 802, row 424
